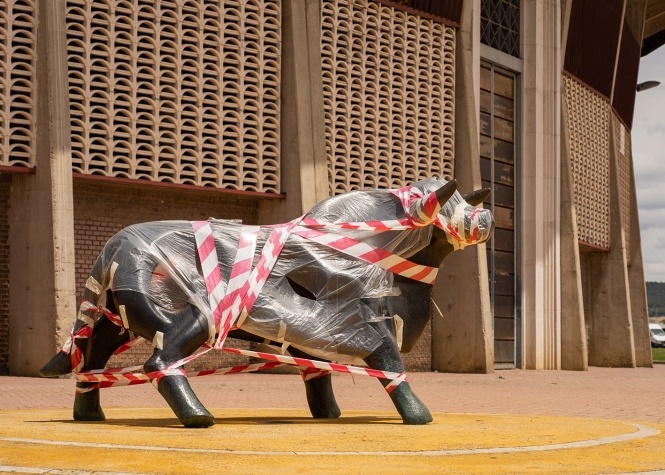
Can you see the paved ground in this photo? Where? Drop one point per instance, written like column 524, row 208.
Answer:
column 544, row 411
column 606, row 393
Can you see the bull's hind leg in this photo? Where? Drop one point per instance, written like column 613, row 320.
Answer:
column 387, row 358
column 105, row 339
column 320, row 395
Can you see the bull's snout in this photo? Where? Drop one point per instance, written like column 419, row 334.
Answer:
column 485, row 225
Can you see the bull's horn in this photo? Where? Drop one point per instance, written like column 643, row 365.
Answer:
column 425, row 210
column 476, row 197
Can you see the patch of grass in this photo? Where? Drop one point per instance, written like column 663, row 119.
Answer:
column 658, row 354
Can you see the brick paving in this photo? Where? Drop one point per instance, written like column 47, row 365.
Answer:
column 603, row 393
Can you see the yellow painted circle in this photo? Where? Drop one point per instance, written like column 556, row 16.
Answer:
column 290, row 441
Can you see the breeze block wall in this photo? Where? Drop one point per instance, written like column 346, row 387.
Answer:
column 101, row 209
column 178, row 91
column 182, row 92
column 389, row 102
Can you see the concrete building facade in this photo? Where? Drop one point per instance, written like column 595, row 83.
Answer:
column 114, row 112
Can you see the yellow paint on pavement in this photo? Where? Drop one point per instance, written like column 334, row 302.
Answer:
column 290, row 441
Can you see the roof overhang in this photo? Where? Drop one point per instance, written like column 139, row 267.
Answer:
column 654, row 26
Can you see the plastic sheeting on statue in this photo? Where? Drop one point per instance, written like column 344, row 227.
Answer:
column 316, row 298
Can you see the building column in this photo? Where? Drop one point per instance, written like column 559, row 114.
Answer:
column 638, row 292
column 609, row 312
column 574, row 353
column 462, row 337
column 303, row 162
column 42, row 292
column 540, row 193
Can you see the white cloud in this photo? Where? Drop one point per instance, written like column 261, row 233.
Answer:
column 648, row 141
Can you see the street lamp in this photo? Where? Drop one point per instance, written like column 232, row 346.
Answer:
column 643, row 86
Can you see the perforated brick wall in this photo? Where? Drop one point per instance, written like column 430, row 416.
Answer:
column 389, row 95
column 100, row 210
column 179, row 91
column 623, row 148
column 589, row 131
column 18, row 33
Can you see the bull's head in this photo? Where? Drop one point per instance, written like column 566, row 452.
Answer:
column 459, row 218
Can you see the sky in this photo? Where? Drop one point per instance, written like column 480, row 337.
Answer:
column 648, row 140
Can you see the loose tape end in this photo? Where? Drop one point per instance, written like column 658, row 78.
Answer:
column 123, row 316
column 158, row 341
column 94, row 286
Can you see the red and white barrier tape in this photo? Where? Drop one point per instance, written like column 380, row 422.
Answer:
column 241, row 301
column 370, row 254
column 312, row 373
column 230, row 303
column 396, row 378
column 310, row 369
column 108, row 378
column 212, row 273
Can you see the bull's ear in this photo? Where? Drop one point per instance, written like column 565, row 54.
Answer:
column 444, row 193
column 476, row 197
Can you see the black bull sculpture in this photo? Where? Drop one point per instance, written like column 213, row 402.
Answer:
column 317, row 301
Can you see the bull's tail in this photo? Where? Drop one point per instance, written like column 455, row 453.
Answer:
column 59, row 365
column 94, row 293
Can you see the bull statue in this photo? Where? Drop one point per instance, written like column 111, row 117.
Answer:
column 330, row 285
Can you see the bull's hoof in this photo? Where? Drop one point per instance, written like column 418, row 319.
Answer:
column 59, row 365
column 321, row 399
column 90, row 415
column 197, row 421
column 420, row 419
column 326, row 413
column 409, row 406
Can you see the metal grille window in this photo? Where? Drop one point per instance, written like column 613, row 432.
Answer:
column 500, row 25
column 498, row 172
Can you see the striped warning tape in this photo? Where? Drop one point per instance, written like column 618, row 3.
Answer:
column 130, row 376
column 310, row 368
column 231, row 302
column 248, row 284
column 370, row 254
column 396, row 378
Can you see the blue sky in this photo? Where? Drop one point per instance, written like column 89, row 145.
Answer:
column 648, row 140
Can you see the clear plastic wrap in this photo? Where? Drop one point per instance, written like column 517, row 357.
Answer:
column 316, row 298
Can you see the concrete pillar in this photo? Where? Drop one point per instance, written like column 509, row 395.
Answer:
column 42, row 294
column 304, row 172
column 638, row 294
column 609, row 311
column 540, row 196
column 574, row 352
column 462, row 341
column 635, row 13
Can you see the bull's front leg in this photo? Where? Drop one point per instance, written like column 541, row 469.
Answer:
column 175, row 389
column 182, row 333
column 387, row 358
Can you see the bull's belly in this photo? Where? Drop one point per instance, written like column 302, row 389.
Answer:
column 339, row 332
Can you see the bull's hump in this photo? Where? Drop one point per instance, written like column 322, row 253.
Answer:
column 359, row 206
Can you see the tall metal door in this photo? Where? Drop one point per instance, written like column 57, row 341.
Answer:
column 498, row 152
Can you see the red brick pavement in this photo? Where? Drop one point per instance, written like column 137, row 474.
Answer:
column 605, row 393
